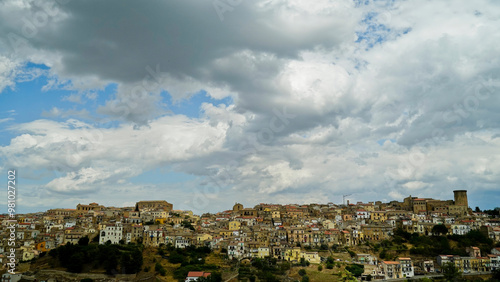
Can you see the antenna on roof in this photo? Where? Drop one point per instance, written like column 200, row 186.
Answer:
column 343, row 198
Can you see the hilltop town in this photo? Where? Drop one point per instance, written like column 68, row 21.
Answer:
column 304, row 235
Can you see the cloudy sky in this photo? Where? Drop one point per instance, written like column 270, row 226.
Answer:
column 205, row 103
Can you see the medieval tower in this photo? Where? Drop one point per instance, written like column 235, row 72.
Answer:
column 461, row 198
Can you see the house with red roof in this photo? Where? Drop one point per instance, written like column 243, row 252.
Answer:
column 195, row 275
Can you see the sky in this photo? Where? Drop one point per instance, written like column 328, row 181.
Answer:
column 208, row 103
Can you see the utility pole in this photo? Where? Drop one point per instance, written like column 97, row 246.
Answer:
column 343, row 198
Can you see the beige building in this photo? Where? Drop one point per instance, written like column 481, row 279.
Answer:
column 419, row 206
column 457, row 210
column 62, row 212
column 392, row 269
column 153, row 205
column 83, row 209
column 234, row 225
column 378, row 216
column 376, row 232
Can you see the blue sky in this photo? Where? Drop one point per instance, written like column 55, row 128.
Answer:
column 287, row 102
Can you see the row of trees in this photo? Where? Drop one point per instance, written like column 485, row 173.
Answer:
column 126, row 259
column 432, row 246
column 266, row 269
column 191, row 258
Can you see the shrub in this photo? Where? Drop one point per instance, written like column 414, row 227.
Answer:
column 158, row 266
column 355, row 269
column 84, row 241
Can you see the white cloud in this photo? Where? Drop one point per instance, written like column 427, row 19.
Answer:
column 421, row 76
column 8, row 70
column 5, row 120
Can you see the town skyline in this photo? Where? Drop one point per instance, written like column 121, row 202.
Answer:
column 347, row 202
column 152, row 239
column 213, row 210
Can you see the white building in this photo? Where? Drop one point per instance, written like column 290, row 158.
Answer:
column 12, row 277
column 406, row 267
column 195, row 275
column 111, row 232
column 69, row 224
column 449, row 220
column 494, row 262
column 460, row 229
column 362, row 214
column 181, row 242
column 236, row 250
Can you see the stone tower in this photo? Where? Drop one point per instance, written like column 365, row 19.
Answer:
column 237, row 207
column 461, row 198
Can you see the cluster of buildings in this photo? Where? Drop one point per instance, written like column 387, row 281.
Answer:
column 474, row 262
column 406, row 267
column 265, row 230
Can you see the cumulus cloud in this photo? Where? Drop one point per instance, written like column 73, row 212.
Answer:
column 380, row 98
column 7, row 72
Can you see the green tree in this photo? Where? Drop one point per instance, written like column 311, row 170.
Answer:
column 383, row 254
column 111, row 262
column 320, row 267
column 54, row 252
column 305, row 278
column 285, row 266
column 439, row 229
column 187, row 224
column 175, row 257
column 347, row 276
column 137, row 259
column 213, row 277
column 84, row 241
column 131, row 262
column 355, row 269
column 496, row 274
column 302, row 272
column 158, row 266
column 75, row 263
column 139, row 240
column 450, row 272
